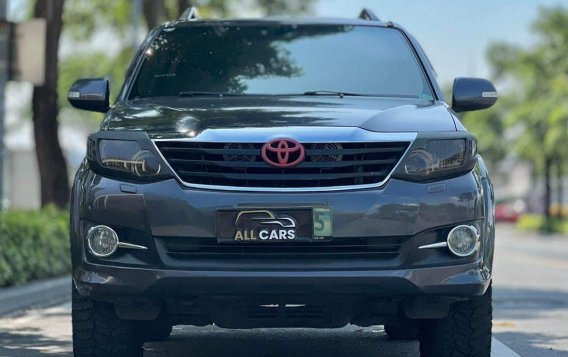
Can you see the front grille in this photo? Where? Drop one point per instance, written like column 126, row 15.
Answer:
column 241, row 164
column 376, row 247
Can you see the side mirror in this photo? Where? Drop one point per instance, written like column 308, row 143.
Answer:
column 473, row 94
column 90, row 94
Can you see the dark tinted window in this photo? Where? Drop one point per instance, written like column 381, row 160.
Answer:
column 280, row 59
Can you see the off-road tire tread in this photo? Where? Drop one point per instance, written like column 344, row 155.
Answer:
column 465, row 332
column 98, row 332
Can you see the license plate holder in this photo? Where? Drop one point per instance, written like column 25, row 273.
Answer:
column 274, row 225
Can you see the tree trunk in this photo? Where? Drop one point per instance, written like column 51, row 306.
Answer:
column 51, row 163
column 547, row 188
column 182, row 5
column 154, row 12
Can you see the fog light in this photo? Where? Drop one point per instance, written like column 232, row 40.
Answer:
column 102, row 241
column 463, row 240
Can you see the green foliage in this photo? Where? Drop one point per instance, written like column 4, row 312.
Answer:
column 536, row 109
column 534, row 222
column 83, row 19
column 33, row 245
column 288, row 7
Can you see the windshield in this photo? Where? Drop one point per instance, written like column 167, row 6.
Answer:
column 280, row 60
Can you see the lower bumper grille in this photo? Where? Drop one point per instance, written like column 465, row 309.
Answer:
column 380, row 247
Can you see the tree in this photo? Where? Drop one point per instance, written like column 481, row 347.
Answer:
column 537, row 113
column 158, row 11
column 50, row 159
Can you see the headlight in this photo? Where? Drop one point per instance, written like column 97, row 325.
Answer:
column 437, row 155
column 127, row 156
column 432, row 159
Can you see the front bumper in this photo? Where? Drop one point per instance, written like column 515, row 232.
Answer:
column 151, row 212
column 107, row 282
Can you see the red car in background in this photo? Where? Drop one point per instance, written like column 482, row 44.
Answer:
column 510, row 209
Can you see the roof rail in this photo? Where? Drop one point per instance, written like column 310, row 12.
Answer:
column 367, row 14
column 189, row 14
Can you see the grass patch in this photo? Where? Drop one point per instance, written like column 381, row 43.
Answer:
column 535, row 222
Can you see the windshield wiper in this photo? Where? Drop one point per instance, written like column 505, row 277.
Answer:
column 347, row 94
column 205, row 94
column 330, row 92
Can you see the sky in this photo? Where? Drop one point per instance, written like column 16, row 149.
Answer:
column 454, row 33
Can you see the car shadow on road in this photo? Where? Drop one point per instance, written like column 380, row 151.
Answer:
column 213, row 341
column 30, row 341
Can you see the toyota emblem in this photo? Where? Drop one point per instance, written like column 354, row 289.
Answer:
column 283, row 153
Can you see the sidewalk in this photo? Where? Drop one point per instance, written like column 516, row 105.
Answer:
column 41, row 293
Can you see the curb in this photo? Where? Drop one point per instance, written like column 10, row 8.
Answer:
column 42, row 293
column 499, row 349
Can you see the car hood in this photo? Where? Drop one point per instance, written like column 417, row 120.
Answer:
column 173, row 117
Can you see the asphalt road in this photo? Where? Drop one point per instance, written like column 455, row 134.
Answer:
column 531, row 293
column 530, row 317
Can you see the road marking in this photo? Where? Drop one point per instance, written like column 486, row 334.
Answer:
column 499, row 349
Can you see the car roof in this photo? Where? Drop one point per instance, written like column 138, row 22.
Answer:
column 269, row 21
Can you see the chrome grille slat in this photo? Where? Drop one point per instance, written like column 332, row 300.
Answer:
column 257, row 164
column 354, row 151
column 213, row 151
column 284, row 177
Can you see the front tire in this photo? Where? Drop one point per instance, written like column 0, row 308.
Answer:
column 466, row 331
column 97, row 331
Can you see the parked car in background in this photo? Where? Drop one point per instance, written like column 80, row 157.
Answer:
column 510, row 209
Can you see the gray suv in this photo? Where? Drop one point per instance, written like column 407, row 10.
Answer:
column 282, row 173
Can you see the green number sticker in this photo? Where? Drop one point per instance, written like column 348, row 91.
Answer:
column 322, row 222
